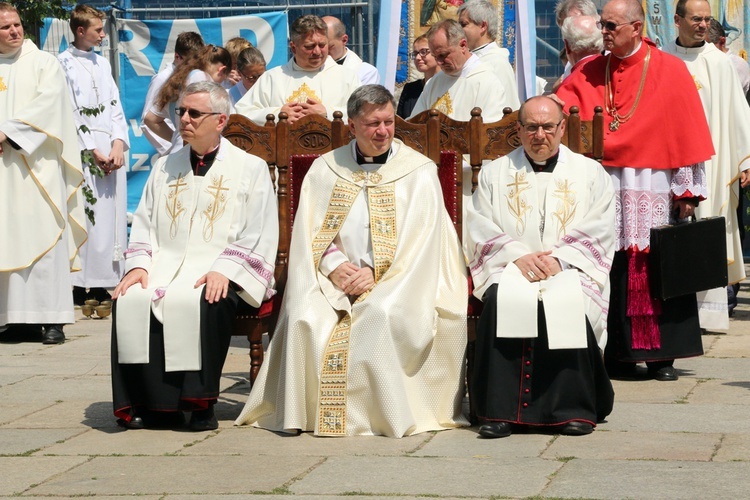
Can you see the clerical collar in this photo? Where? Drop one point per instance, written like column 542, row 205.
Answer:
column 343, row 58
column 677, row 42
column 476, row 51
column 546, row 166
column 362, row 159
column 640, row 42
column 201, row 164
column 297, row 67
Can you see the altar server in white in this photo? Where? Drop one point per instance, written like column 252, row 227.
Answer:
column 311, row 82
column 541, row 238
column 42, row 224
column 203, row 237
column 465, row 82
column 343, row 55
column 479, row 20
column 372, row 332
column 728, row 118
column 102, row 133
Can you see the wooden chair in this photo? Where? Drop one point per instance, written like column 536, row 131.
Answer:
column 251, row 322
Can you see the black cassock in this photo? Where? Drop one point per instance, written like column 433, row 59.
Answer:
column 522, row 381
column 148, row 386
column 679, row 327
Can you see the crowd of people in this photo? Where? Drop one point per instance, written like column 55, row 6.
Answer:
column 372, row 331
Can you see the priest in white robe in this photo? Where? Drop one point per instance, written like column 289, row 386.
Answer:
column 728, row 118
column 103, row 133
column 541, row 238
column 42, row 223
column 203, row 237
column 479, row 20
column 337, row 49
column 310, row 83
column 464, row 82
column 372, row 332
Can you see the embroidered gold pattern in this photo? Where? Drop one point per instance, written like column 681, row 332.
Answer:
column 444, row 104
column 341, row 201
column 566, row 207
column 3, row 87
column 332, row 405
column 302, row 94
column 333, row 379
column 516, row 202
column 382, row 201
column 216, row 207
column 174, row 204
column 697, row 83
column 368, row 177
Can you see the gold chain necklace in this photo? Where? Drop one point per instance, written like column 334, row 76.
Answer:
column 609, row 103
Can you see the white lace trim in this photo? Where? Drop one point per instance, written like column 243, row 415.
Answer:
column 643, row 199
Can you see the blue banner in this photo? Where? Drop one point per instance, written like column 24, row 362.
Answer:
column 145, row 47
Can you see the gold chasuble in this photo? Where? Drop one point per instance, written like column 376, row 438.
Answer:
column 390, row 362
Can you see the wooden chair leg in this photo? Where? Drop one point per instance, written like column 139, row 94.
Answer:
column 255, row 337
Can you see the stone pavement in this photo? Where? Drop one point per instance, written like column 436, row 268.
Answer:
column 664, row 440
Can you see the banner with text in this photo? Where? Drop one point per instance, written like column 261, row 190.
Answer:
column 145, row 47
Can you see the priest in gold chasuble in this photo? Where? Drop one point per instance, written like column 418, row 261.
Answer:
column 204, row 236
column 372, row 333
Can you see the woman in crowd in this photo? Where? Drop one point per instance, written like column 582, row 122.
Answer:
column 250, row 65
column 426, row 64
column 211, row 63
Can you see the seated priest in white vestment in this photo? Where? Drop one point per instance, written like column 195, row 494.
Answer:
column 540, row 241
column 372, row 331
column 728, row 118
column 103, row 139
column 204, row 236
column 465, row 82
column 42, row 222
column 310, row 83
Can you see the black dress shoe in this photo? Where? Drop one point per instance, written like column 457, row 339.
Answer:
column 664, row 374
column 52, row 334
column 495, row 430
column 135, row 423
column 577, row 429
column 203, row 420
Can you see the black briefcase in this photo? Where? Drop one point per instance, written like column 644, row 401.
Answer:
column 688, row 257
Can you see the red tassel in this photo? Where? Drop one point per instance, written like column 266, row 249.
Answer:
column 643, row 310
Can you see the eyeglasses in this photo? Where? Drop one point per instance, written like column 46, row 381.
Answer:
column 193, row 113
column 423, row 53
column 251, row 78
column 698, row 19
column 610, row 25
column 547, row 128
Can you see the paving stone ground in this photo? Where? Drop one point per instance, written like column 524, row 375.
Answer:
column 688, row 439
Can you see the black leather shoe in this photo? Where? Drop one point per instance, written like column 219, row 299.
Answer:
column 52, row 334
column 135, row 423
column 665, row 374
column 203, row 420
column 577, row 429
column 495, row 430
